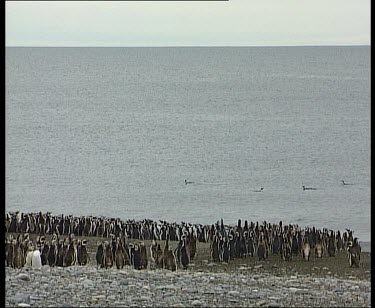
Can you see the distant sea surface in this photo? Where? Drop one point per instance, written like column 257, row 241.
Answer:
column 116, row 131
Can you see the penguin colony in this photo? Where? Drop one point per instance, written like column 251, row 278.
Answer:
column 227, row 243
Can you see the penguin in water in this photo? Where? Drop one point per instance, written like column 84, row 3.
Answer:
column 188, row 182
column 308, row 188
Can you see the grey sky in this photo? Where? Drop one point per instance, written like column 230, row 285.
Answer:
column 188, row 23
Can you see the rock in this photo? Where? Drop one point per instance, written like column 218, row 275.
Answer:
column 196, row 302
column 233, row 293
column 23, row 305
column 20, row 298
column 258, row 266
column 23, row 277
column 260, row 303
column 273, row 304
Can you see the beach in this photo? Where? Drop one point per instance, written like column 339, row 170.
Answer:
column 326, row 282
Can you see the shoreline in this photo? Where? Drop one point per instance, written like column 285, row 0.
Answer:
column 88, row 286
column 243, row 282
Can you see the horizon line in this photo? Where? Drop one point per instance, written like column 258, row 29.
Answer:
column 180, row 46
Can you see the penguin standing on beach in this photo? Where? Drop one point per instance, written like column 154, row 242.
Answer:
column 99, row 255
column 184, row 256
column 136, row 257
column 261, row 248
column 306, row 249
column 82, row 255
column 143, row 255
column 225, row 250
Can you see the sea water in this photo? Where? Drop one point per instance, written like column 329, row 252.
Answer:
column 116, row 131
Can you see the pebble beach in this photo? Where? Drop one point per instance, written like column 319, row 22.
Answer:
column 328, row 282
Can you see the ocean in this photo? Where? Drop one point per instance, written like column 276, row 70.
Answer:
column 116, row 131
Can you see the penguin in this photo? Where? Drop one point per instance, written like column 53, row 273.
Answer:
column 276, row 245
column 29, row 256
column 119, row 256
column 68, row 259
column 143, row 255
column 178, row 250
column 159, row 257
column 250, row 245
column 99, row 256
column 192, row 247
column 18, row 261
column 225, row 250
column 153, row 248
column 294, row 248
column 184, row 256
column 171, row 261
column 215, row 249
column 108, row 256
column 319, row 249
column 261, row 251
column 232, row 247
column 287, row 249
column 339, row 242
column 306, row 249
column 354, row 254
column 52, row 252
column 82, row 255
column 331, row 245
column 36, row 259
column 9, row 251
column 44, row 253
column 136, row 257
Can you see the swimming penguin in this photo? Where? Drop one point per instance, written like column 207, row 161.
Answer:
column 187, row 182
column 260, row 190
column 308, row 188
column 343, row 183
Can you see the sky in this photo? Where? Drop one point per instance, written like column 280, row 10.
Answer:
column 188, row 23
